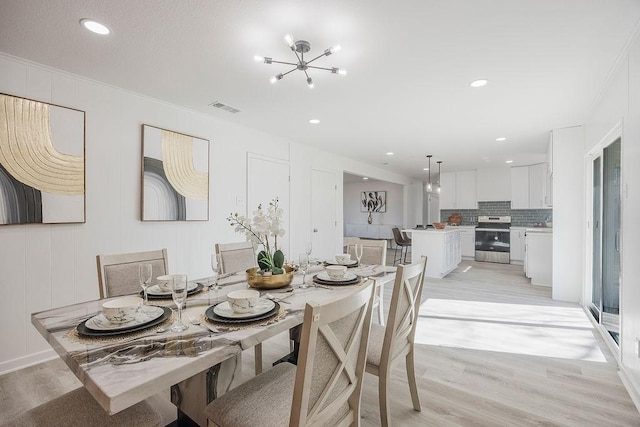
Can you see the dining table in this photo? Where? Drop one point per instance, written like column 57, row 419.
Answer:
column 197, row 364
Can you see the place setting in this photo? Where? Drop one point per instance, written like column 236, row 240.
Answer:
column 336, row 275
column 342, row 259
column 244, row 308
column 162, row 289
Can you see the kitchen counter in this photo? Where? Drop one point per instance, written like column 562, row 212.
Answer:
column 441, row 247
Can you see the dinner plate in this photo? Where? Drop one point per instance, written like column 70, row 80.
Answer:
column 144, row 315
column 348, row 276
column 263, row 306
column 351, row 279
column 83, row 330
column 154, row 292
column 349, row 264
column 211, row 315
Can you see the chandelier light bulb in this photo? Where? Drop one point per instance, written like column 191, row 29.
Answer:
column 342, row 72
column 336, row 48
column 275, row 79
column 258, row 58
column 288, row 38
column 310, row 83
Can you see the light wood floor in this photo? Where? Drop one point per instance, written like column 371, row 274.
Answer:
column 492, row 350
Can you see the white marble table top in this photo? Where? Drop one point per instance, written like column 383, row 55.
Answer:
column 122, row 373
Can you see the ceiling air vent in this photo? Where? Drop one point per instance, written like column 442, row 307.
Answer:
column 225, row 107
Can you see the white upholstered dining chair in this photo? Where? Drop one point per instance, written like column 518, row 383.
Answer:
column 374, row 252
column 235, row 257
column 118, row 273
column 325, row 388
column 388, row 345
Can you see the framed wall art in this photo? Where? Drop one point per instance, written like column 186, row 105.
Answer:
column 175, row 176
column 42, row 162
column 373, row 201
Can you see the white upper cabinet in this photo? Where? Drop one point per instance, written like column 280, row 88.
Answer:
column 494, row 185
column 537, row 186
column 520, row 187
column 458, row 190
column 448, row 190
column 530, row 187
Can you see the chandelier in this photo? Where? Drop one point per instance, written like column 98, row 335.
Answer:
column 299, row 48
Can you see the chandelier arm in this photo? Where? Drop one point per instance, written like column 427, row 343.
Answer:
column 319, row 56
column 320, row 68
column 282, row 62
column 305, row 73
column 290, row 71
column 295, row 52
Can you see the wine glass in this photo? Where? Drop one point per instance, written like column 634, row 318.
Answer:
column 303, row 263
column 359, row 249
column 308, row 247
column 179, row 294
column 144, row 275
column 215, row 266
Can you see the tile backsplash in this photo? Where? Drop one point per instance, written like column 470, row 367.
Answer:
column 519, row 217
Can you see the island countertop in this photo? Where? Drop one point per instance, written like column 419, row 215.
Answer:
column 441, row 247
column 431, row 230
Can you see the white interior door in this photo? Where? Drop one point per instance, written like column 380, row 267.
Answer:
column 324, row 225
column 267, row 179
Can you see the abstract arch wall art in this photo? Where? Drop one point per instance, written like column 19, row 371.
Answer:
column 175, row 176
column 42, row 162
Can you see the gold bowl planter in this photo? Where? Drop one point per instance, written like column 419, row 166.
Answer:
column 271, row 281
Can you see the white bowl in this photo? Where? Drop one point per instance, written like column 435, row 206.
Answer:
column 336, row 272
column 343, row 258
column 121, row 310
column 243, row 301
column 165, row 282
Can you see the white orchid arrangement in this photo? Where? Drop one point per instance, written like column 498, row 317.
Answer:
column 263, row 225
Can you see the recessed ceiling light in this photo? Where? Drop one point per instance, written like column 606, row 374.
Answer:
column 502, row 138
column 365, row 178
column 95, row 27
column 478, row 83
column 390, row 153
column 314, row 121
column 509, row 161
column 425, row 169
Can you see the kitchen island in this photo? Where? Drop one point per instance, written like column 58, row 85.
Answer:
column 441, row 247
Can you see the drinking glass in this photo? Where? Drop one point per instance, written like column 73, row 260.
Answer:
column 303, row 263
column 215, row 266
column 359, row 250
column 144, row 275
column 179, row 294
column 308, row 247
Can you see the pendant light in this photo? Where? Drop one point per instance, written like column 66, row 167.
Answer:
column 429, row 187
column 439, row 161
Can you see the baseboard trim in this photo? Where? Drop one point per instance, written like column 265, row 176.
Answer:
column 25, row 361
column 631, row 385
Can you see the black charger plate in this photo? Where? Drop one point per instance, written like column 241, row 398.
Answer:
column 83, row 330
column 211, row 315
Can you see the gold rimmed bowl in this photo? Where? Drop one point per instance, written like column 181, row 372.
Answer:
column 270, row 281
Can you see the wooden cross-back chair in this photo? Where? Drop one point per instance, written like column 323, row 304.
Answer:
column 235, row 257
column 325, row 388
column 389, row 344
column 374, row 252
column 118, row 273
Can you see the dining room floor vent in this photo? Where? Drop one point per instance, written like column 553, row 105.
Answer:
column 225, row 107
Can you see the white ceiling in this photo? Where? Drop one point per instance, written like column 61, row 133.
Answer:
column 409, row 62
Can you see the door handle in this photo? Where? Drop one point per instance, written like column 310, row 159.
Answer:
column 617, row 241
column 315, row 230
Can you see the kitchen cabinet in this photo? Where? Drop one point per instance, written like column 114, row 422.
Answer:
column 494, row 184
column 517, row 244
column 529, row 187
column 441, row 247
column 458, row 190
column 468, row 241
column 539, row 256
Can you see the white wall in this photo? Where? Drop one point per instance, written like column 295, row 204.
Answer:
column 620, row 103
column 395, row 203
column 568, row 223
column 45, row 266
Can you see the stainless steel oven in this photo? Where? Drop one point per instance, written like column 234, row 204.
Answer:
column 493, row 239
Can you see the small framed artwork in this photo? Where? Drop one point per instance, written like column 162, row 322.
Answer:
column 42, row 162
column 175, row 176
column 373, row 201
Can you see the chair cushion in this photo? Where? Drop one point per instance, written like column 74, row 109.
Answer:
column 266, row 398
column 376, row 339
column 79, row 408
